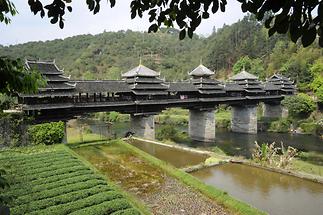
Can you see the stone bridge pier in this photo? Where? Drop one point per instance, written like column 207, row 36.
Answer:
column 202, row 125
column 244, row 119
column 143, row 126
column 272, row 110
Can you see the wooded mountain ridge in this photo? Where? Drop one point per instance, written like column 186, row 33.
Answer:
column 227, row 50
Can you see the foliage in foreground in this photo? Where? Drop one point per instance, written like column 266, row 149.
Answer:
column 55, row 182
column 47, row 133
column 300, row 19
column 273, row 156
column 15, row 79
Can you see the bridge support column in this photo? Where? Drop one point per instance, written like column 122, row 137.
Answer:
column 202, row 125
column 273, row 110
column 244, row 119
column 143, row 126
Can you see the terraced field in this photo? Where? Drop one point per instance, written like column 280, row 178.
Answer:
column 56, row 182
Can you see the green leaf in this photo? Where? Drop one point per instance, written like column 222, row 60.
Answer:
column 112, row 3
column 182, row 34
column 215, row 6
column 309, row 36
column 190, row 32
column 61, row 24
column 153, row 28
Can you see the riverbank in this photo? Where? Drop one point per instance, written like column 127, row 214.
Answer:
column 137, row 180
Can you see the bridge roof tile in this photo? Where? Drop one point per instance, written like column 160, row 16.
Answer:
column 182, row 87
column 140, row 71
column 243, row 75
column 101, row 86
column 201, row 71
column 44, row 67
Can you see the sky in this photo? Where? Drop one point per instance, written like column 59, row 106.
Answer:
column 25, row 26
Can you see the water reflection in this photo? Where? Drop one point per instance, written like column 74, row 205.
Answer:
column 271, row 192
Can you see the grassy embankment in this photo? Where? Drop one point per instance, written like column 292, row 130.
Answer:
column 219, row 196
column 309, row 162
column 52, row 180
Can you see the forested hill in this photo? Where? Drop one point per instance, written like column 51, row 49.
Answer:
column 107, row 55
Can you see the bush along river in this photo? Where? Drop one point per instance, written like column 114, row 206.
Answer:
column 272, row 192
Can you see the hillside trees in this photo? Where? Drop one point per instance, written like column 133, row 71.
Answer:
column 107, row 55
column 317, row 84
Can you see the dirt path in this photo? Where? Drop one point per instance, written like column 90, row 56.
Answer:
column 175, row 198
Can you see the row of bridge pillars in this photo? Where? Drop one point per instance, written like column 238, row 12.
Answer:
column 202, row 121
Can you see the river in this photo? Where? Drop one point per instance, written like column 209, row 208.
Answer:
column 272, row 192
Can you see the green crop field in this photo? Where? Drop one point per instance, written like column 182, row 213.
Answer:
column 56, row 182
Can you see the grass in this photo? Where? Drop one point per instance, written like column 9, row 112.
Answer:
column 52, row 180
column 309, row 162
column 235, row 206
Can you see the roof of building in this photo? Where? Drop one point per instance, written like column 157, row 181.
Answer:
column 50, row 94
column 204, row 81
column 57, row 78
column 200, row 71
column 233, row 87
column 277, row 76
column 144, row 80
column 141, row 71
column 150, row 92
column 270, row 86
column 243, row 75
column 182, row 87
column 58, row 86
column 101, row 86
column 147, row 86
column 44, row 67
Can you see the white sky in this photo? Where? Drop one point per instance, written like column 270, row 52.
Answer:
column 26, row 27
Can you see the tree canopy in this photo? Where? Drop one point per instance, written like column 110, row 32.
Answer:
column 301, row 19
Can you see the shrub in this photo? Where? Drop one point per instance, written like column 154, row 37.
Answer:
column 47, row 133
column 300, row 106
column 273, row 156
column 129, row 211
column 281, row 125
column 171, row 132
column 107, row 207
column 308, row 127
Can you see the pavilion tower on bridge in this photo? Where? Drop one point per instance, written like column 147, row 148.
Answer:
column 202, row 118
column 145, row 84
column 244, row 115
